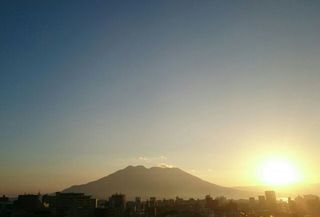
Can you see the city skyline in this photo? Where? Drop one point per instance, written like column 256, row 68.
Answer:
column 226, row 90
column 118, row 205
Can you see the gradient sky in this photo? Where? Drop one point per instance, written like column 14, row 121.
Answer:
column 212, row 87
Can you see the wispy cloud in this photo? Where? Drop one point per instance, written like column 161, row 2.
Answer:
column 165, row 165
column 152, row 159
column 160, row 161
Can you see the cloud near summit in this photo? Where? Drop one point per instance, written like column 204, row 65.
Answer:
column 152, row 159
column 164, row 165
column 160, row 161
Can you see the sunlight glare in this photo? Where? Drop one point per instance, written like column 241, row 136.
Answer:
column 279, row 172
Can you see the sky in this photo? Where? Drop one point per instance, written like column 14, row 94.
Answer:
column 211, row 87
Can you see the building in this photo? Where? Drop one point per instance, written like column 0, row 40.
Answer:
column 138, row 205
column 151, row 209
column 262, row 199
column 69, row 200
column 117, row 201
column 271, row 197
column 29, row 202
column 4, row 199
column 5, row 206
column 252, row 201
column 70, row 204
column 153, row 202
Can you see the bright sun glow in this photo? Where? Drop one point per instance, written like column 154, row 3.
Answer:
column 279, row 172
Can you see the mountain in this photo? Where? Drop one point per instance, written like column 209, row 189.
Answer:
column 156, row 181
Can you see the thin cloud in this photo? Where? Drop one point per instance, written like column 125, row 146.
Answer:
column 152, row 159
column 165, row 165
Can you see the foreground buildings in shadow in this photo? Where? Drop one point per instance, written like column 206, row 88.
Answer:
column 81, row 205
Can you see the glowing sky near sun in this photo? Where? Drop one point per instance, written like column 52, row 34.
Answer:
column 279, row 172
column 212, row 87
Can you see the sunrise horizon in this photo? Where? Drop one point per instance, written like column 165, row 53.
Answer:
column 258, row 187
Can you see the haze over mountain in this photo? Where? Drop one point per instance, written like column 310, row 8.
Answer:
column 155, row 181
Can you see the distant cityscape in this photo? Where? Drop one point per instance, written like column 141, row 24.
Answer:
column 117, row 205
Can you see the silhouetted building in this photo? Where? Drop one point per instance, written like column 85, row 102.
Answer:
column 70, row 204
column 153, row 202
column 271, row 197
column 252, row 202
column 210, row 203
column 178, row 201
column 262, row 199
column 69, row 200
column 151, row 207
column 5, row 206
column 4, row 199
column 80, row 205
column 29, row 202
column 117, row 201
column 102, row 203
column 271, row 202
column 138, row 205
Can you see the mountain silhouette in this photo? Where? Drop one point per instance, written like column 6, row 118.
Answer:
column 154, row 182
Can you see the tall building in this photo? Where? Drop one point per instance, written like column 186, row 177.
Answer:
column 153, row 202
column 271, row 197
column 252, row 201
column 117, row 201
column 262, row 200
column 138, row 205
column 151, row 209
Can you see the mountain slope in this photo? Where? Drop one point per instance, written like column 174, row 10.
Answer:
column 156, row 181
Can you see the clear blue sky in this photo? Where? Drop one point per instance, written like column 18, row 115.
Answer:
column 89, row 87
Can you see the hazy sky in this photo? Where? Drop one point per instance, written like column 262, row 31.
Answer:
column 212, row 87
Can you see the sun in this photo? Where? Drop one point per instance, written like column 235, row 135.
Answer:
column 279, row 172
